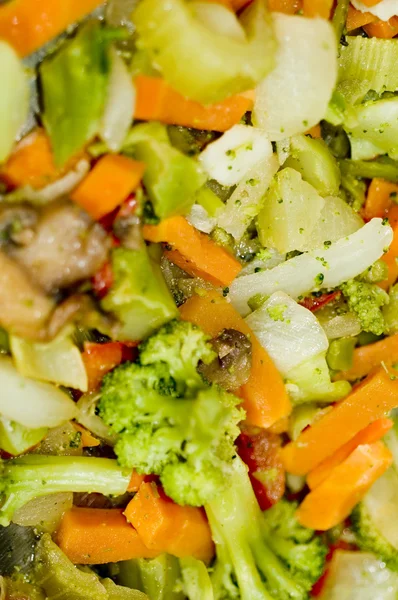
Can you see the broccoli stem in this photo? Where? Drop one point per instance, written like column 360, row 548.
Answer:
column 34, row 475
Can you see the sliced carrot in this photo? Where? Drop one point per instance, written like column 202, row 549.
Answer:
column 264, row 396
column 135, row 481
column 167, row 527
column 370, row 3
column 111, row 180
column 390, row 258
column 317, row 8
column 87, row 439
column 100, row 359
column 371, row 400
column 333, row 500
column 368, row 357
column 91, row 536
column 200, row 256
column 315, row 131
column 157, row 101
column 379, row 198
column 372, row 433
column 239, row 4
column 383, row 29
column 28, row 25
column 288, row 7
column 356, row 18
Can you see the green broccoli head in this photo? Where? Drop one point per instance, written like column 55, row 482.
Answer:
column 169, row 420
column 180, row 346
column 369, row 538
column 366, row 301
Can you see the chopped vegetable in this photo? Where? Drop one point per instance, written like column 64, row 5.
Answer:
column 167, row 527
column 193, row 251
column 371, row 356
column 158, row 101
column 27, row 28
column 367, row 402
column 100, row 359
column 95, row 536
column 35, row 475
column 223, row 67
column 317, row 8
column 390, row 311
column 87, row 440
column 382, row 29
column 111, row 180
column 333, row 499
column 264, row 396
column 372, row 433
column 366, row 301
column 390, row 259
column 14, row 100
column 138, row 296
column 340, row 355
column 356, row 18
column 74, row 82
column 16, row 439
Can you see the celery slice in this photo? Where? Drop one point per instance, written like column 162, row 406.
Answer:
column 195, row 60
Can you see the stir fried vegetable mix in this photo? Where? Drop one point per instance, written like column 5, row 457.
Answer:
column 198, row 300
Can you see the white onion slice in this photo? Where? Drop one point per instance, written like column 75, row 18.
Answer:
column 290, row 333
column 295, row 94
column 342, row 260
column 32, row 403
column 120, row 104
column 219, row 19
column 200, row 219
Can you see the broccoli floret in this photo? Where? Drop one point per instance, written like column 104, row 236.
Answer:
column 169, row 420
column 269, row 555
column 34, row 475
column 366, row 301
column 179, row 345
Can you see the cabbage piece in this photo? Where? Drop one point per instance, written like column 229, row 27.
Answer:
column 337, row 220
column 33, row 404
column 247, row 199
column 290, row 333
column 14, row 98
column 199, row 62
column 373, row 129
column 359, row 576
column 291, row 210
column 228, row 159
column 58, row 361
column 74, row 83
column 295, row 95
column 330, row 266
column 16, row 439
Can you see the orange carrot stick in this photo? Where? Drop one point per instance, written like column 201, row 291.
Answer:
column 356, row 18
column 99, row 359
column 91, row 536
column 382, row 29
column 87, row 439
column 288, row 7
column 157, row 101
column 333, row 500
column 371, row 400
column 198, row 254
column 370, row 3
column 28, row 25
column 371, row 356
column 390, row 258
column 111, row 180
column 264, row 396
column 317, row 8
column 167, row 527
column 314, row 132
column 379, row 198
column 135, row 482
column 372, row 433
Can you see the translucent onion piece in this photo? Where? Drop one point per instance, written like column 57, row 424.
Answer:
column 200, row 219
column 120, row 104
column 295, row 95
column 220, row 19
column 342, row 260
column 118, row 12
column 32, row 403
column 339, row 326
column 91, row 421
column 44, row 513
column 290, row 333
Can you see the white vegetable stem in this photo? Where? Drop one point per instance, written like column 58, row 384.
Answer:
column 295, row 95
column 289, row 332
column 329, row 266
column 32, row 403
column 230, row 158
column 120, row 104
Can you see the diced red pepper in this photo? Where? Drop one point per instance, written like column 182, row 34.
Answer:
column 259, row 449
column 99, row 359
column 314, row 303
column 102, row 281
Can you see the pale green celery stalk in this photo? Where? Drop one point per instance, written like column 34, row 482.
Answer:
column 196, row 579
column 171, row 178
column 139, row 297
column 157, row 577
column 209, row 200
column 372, row 60
column 340, row 17
column 384, row 167
column 312, row 158
column 197, row 61
column 74, row 83
column 340, row 354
